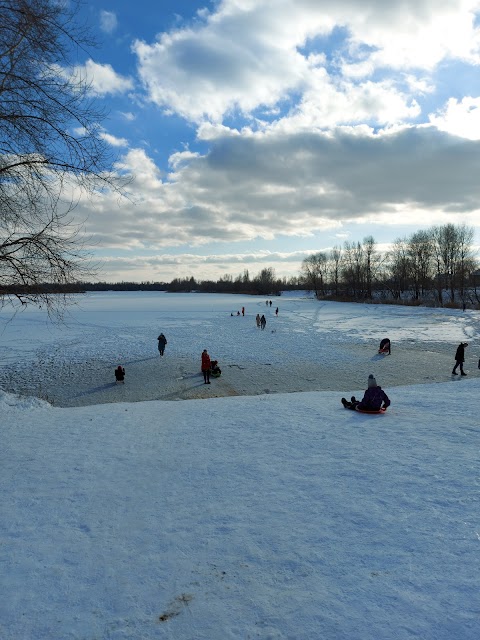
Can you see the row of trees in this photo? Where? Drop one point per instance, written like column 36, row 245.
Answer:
column 264, row 283
column 436, row 264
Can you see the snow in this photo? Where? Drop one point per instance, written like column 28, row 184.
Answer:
column 272, row 515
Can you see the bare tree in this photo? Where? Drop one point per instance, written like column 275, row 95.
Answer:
column 354, row 269
column 398, row 267
column 454, row 257
column 314, row 272
column 465, row 262
column 372, row 260
column 50, row 150
column 420, row 253
column 265, row 282
column 335, row 260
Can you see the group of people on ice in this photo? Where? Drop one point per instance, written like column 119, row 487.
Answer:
column 261, row 321
column 375, row 399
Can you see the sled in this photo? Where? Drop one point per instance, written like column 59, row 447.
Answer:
column 383, row 351
column 382, row 410
column 215, row 375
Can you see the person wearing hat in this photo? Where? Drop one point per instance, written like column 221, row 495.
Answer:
column 373, row 399
column 460, row 359
column 162, row 343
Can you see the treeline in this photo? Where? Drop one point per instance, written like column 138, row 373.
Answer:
column 435, row 266
column 264, row 283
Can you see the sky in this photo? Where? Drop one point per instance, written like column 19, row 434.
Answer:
column 268, row 515
column 260, row 131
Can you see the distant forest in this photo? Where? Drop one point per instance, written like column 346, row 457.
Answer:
column 436, row 267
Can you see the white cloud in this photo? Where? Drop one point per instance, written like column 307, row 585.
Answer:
column 290, row 185
column 108, row 21
column 460, row 118
column 102, row 78
column 249, row 54
column 113, row 140
column 166, row 266
column 128, row 116
column 331, row 137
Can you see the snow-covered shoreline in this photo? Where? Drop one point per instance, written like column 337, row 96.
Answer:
column 310, row 346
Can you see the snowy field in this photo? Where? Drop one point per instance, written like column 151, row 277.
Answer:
column 269, row 515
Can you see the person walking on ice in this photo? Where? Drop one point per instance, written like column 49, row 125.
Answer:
column 162, row 342
column 460, row 359
column 263, row 322
column 257, row 319
column 206, row 366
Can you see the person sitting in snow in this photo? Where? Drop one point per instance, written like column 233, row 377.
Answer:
column 385, row 346
column 215, row 370
column 119, row 374
column 373, row 399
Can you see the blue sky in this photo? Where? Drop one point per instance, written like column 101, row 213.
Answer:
column 259, row 131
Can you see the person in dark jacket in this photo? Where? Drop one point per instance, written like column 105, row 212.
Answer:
column 460, row 359
column 373, row 399
column 263, row 322
column 206, row 365
column 119, row 374
column 215, row 370
column 162, row 342
column 385, row 346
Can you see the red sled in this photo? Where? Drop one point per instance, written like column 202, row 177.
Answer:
column 383, row 351
column 382, row 410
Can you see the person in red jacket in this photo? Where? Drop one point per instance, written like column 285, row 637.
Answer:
column 206, row 365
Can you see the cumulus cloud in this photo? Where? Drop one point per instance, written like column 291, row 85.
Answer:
column 102, row 78
column 309, row 117
column 113, row 140
column 167, row 266
column 291, row 185
column 459, row 117
column 247, row 55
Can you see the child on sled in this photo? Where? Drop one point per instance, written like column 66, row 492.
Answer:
column 215, row 370
column 373, row 399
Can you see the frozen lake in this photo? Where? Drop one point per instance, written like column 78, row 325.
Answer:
column 309, row 346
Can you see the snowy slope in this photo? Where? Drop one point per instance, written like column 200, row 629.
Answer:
column 273, row 516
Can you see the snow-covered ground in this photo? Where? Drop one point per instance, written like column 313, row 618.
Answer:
column 270, row 516
column 310, row 346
